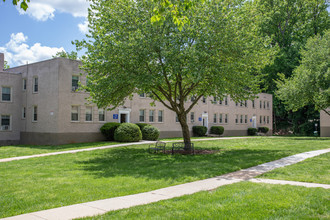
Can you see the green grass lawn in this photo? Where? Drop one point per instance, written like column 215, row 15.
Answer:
column 24, row 150
column 243, row 200
column 54, row 181
column 313, row 170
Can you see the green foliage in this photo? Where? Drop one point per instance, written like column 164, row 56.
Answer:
column 23, row 4
column 141, row 125
column 252, row 131
column 150, row 133
column 199, row 130
column 263, row 129
column 311, row 79
column 72, row 55
column 108, row 130
column 128, row 132
column 6, row 65
column 217, row 130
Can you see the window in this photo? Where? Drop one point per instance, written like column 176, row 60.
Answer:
column 204, row 99
column 160, row 115
column 236, row 119
column 35, row 113
column 24, row 84
column 264, row 119
column 215, row 100
column 241, row 119
column 267, row 119
column 192, row 98
column 6, row 94
column 101, row 115
column 151, row 115
column 267, row 105
column 264, row 104
column 215, row 118
column 192, row 117
column 89, row 113
column 176, row 118
column 141, row 115
column 226, row 100
column 226, row 118
column 75, row 83
column 245, row 103
column 241, row 103
column 220, row 101
column 246, row 119
column 220, row 118
column 260, row 104
column 260, row 119
column 253, row 104
column 142, row 95
column 23, row 113
column 5, row 122
column 35, row 84
column 74, row 113
column 236, row 103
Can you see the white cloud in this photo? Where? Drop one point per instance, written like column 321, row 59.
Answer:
column 83, row 27
column 17, row 52
column 44, row 9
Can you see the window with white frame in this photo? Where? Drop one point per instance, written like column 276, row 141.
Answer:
column 192, row 117
column 267, row 105
column 226, row 118
column 192, row 98
column 264, row 104
column 24, row 84
column 241, row 119
column 5, row 123
column 220, row 101
column 246, row 119
column 260, row 119
column 151, row 115
column 215, row 118
column 260, row 104
column 264, row 119
column 176, row 118
column 101, row 114
column 23, row 113
column 141, row 115
column 226, row 100
column 6, row 94
column 89, row 113
column 35, row 84
column 245, row 103
column 75, row 83
column 267, row 119
column 35, row 113
column 236, row 119
column 204, row 99
column 220, row 118
column 74, row 113
column 214, row 100
column 142, row 95
column 160, row 116
column 253, row 104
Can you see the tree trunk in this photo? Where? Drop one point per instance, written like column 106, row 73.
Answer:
column 185, row 132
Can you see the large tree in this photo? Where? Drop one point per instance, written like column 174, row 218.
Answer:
column 310, row 83
column 290, row 23
column 219, row 53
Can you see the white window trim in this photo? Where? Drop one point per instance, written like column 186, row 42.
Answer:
column 23, row 113
column 144, row 115
column 162, row 116
column 11, row 94
column 24, row 79
column 10, row 123
column 33, row 84
column 78, row 113
column 91, row 113
column 34, row 121
column 104, row 113
column 76, row 89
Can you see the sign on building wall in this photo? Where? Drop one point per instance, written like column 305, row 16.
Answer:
column 115, row 116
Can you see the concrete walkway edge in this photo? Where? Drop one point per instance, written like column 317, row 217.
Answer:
column 102, row 206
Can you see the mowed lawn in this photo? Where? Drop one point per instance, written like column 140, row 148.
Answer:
column 54, row 181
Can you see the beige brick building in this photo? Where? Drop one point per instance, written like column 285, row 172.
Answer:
column 40, row 104
column 324, row 124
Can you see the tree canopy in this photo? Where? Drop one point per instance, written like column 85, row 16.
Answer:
column 219, row 53
column 23, row 4
column 310, row 83
column 72, row 55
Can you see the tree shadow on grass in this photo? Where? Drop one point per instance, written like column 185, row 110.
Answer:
column 138, row 163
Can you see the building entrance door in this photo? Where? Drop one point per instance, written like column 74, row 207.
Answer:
column 205, row 118
column 124, row 115
column 123, row 118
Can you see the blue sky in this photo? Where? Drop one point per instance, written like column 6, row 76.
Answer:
column 47, row 27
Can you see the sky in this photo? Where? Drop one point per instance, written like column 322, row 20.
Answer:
column 47, row 27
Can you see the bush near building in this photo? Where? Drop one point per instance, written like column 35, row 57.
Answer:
column 263, row 129
column 252, row 131
column 217, row 130
column 128, row 132
column 150, row 133
column 108, row 130
column 199, row 130
column 141, row 125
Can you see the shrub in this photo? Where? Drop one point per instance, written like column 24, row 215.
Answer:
column 141, row 125
column 252, row 131
column 263, row 129
column 128, row 132
column 217, row 130
column 150, row 133
column 108, row 130
column 199, row 130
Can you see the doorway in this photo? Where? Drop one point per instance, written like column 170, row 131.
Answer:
column 205, row 120
column 123, row 118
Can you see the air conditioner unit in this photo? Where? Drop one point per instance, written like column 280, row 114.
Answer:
column 74, row 88
column 5, row 127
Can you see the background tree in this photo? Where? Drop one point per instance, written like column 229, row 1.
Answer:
column 290, row 23
column 23, row 4
column 72, row 55
column 6, row 65
column 310, row 83
column 219, row 53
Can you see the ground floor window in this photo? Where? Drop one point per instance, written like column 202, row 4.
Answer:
column 215, row 118
column 267, row 119
column 5, row 122
column 101, row 115
column 220, row 118
column 89, row 113
column 74, row 113
column 236, row 119
column 160, row 115
column 35, row 113
column 141, row 115
column 192, row 117
column 246, row 119
column 151, row 115
column 226, row 118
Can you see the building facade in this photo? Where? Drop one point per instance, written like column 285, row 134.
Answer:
column 41, row 104
column 324, row 124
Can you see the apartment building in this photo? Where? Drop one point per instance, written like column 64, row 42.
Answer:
column 41, row 104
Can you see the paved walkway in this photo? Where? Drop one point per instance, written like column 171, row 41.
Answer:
column 107, row 147
column 293, row 183
column 106, row 205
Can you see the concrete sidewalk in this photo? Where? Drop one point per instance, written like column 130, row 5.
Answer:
column 106, row 205
column 107, row 147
